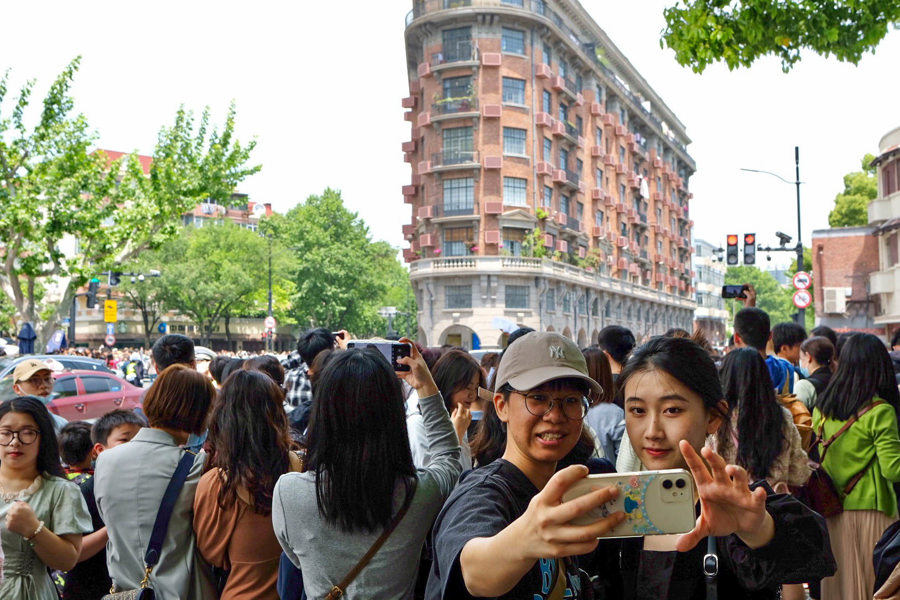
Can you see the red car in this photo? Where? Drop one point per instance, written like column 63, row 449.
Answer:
column 88, row 395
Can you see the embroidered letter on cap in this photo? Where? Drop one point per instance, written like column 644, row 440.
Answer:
column 557, row 352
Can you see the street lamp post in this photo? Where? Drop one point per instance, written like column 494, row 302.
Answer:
column 269, row 333
column 801, row 313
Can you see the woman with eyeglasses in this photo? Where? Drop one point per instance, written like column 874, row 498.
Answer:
column 44, row 515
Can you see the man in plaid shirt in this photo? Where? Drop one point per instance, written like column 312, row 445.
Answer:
column 297, row 388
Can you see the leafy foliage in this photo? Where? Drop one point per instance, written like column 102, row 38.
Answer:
column 702, row 32
column 851, row 205
column 54, row 187
column 770, row 296
column 342, row 277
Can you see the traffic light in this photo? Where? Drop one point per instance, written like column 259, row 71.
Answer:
column 731, row 256
column 93, row 288
column 114, row 277
column 749, row 248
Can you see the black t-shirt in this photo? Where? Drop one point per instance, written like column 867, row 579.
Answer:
column 89, row 580
column 483, row 504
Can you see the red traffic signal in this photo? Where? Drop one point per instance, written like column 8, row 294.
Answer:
column 731, row 254
column 732, row 240
column 749, row 248
column 749, row 239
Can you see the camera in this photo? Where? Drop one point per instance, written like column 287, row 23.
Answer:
column 783, row 238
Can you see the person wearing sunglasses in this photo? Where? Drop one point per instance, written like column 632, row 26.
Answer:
column 44, row 515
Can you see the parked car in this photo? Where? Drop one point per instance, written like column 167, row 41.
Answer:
column 62, row 362
column 87, row 395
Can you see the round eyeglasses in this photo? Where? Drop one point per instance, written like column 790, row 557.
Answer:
column 574, row 407
column 26, row 436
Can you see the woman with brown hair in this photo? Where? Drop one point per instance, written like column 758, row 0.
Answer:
column 605, row 417
column 248, row 434
column 130, row 481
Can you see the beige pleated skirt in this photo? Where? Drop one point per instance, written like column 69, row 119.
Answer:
column 854, row 534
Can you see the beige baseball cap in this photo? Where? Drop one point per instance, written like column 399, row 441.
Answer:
column 27, row 368
column 539, row 357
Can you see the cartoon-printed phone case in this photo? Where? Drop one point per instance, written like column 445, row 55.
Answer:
column 655, row 502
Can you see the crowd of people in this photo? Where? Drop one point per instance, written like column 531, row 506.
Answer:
column 330, row 472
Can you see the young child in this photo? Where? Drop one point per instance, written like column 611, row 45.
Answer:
column 76, row 451
column 90, row 578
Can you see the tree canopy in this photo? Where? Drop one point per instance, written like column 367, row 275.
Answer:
column 67, row 212
column 851, row 206
column 702, row 32
column 342, row 277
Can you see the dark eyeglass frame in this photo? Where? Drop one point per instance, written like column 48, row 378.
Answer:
column 563, row 403
column 17, row 434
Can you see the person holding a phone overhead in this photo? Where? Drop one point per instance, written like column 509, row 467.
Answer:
column 518, row 535
column 360, row 486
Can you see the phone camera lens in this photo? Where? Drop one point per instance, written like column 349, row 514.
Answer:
column 667, row 484
column 680, row 483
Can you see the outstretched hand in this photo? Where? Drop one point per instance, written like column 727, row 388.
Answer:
column 547, row 526
column 418, row 376
column 726, row 503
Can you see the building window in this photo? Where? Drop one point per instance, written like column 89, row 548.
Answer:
column 520, row 3
column 579, row 124
column 579, row 82
column 513, row 91
column 457, row 87
column 514, row 191
column 579, row 210
column 563, row 68
column 582, row 304
column 599, row 178
column 563, row 112
column 517, row 296
column 459, row 196
column 458, row 296
column 551, row 299
column 513, row 41
column 513, row 239
column 600, row 94
column 567, row 302
column 622, row 193
column 579, row 166
column 547, row 55
column 595, row 307
column 457, row 44
column 455, row 241
column 514, row 141
column 547, row 102
column 564, row 204
column 598, row 218
column 563, row 158
column 457, row 145
column 598, row 137
column 548, row 150
column 622, row 155
column 547, row 200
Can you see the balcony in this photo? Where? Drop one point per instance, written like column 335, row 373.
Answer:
column 449, row 160
column 459, row 107
column 572, row 178
column 571, row 130
column 461, row 53
column 459, row 210
column 572, row 223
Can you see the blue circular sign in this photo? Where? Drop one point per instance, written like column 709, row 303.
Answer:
column 162, row 327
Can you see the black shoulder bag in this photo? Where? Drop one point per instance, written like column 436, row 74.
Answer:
column 160, row 526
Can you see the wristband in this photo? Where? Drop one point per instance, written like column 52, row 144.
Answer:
column 39, row 529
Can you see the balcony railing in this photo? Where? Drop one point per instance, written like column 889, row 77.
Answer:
column 449, row 158
column 455, row 210
column 571, row 130
column 570, row 85
column 573, row 177
column 573, row 224
column 450, row 106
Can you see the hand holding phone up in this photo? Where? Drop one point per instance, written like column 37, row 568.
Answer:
column 418, row 376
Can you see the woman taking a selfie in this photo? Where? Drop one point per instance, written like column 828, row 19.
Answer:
column 360, row 478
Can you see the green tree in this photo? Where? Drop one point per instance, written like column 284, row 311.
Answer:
column 702, row 32
column 145, row 295
column 770, row 296
column 341, row 280
column 67, row 212
column 215, row 271
column 851, row 207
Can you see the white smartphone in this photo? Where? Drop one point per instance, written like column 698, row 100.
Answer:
column 655, row 502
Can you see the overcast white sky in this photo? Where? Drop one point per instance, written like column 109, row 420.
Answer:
column 319, row 85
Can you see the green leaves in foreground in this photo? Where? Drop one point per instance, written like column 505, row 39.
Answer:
column 702, row 32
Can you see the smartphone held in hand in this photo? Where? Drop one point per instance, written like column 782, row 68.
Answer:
column 654, row 502
column 733, row 291
column 392, row 351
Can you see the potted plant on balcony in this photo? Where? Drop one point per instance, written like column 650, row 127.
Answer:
column 533, row 244
column 541, row 214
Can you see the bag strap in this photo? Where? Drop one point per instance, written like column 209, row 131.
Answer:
column 843, row 428
column 338, row 590
column 161, row 525
column 711, row 568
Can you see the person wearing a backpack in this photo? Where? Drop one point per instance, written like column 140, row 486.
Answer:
column 816, row 354
column 862, row 392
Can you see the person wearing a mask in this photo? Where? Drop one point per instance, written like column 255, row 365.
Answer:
column 33, row 377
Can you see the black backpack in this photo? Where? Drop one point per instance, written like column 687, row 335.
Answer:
column 887, row 554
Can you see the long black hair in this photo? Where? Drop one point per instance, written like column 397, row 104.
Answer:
column 683, row 359
column 48, row 448
column 863, row 372
column 748, row 389
column 358, row 443
column 248, row 433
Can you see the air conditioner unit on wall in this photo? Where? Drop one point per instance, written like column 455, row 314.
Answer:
column 835, row 300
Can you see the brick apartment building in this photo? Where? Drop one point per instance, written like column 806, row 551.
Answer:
column 709, row 277
column 549, row 181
